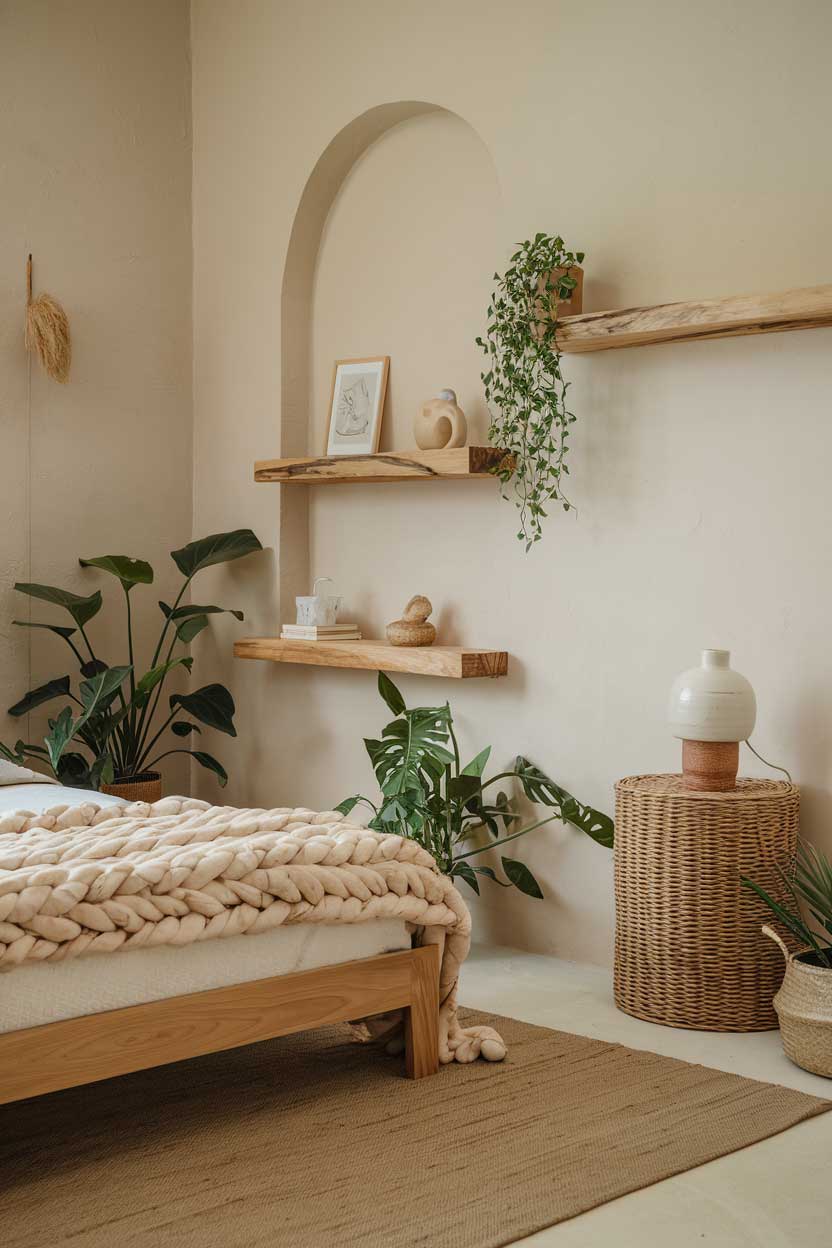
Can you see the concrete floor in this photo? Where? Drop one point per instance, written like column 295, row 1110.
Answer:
column 776, row 1194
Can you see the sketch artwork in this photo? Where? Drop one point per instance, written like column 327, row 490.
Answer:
column 357, row 403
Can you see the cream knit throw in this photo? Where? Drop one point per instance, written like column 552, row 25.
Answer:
column 92, row 879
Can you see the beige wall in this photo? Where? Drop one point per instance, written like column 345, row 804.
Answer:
column 95, row 147
column 684, row 148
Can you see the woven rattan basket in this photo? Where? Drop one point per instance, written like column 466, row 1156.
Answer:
column 804, row 1007
column 144, row 788
column 689, row 950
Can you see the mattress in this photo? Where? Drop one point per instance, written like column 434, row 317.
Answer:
column 36, row 798
column 46, row 992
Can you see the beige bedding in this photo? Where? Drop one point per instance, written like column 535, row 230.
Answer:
column 93, row 879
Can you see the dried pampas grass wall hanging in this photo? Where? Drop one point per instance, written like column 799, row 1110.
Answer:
column 47, row 331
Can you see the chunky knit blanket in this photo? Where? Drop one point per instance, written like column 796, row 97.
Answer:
column 92, row 879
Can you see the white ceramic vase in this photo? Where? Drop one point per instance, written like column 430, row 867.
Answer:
column 712, row 702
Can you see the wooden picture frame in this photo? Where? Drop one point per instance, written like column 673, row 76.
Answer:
column 74, row 1051
column 356, row 406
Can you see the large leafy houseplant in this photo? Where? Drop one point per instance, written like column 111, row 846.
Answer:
column 524, row 387
column 428, row 795
column 809, row 886
column 112, row 720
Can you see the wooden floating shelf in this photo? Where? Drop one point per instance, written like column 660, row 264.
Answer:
column 463, row 463
column 807, row 308
column 456, row 662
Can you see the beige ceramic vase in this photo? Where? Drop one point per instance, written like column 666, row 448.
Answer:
column 804, row 1008
column 440, row 422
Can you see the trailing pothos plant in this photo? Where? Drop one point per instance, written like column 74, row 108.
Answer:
column 524, row 387
column 429, row 796
column 112, row 721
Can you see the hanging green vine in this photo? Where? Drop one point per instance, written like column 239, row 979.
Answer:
column 524, row 388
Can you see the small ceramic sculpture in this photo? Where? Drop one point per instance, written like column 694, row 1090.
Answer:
column 413, row 629
column 440, row 422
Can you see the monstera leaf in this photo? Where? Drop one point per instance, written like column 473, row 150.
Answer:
column 412, row 744
column 539, row 788
column 217, row 548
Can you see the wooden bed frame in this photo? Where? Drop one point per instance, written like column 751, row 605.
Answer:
column 98, row 1046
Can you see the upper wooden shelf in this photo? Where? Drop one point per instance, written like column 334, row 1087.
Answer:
column 459, row 464
column 807, row 308
column 456, row 662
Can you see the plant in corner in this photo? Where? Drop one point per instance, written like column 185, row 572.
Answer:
column 804, row 1001
column 112, row 720
column 427, row 795
column 524, row 387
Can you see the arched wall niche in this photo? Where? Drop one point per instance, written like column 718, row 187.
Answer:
column 297, row 293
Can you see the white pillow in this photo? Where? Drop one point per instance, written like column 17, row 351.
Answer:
column 10, row 773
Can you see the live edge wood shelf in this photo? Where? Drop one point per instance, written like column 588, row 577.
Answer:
column 475, row 463
column 807, row 308
column 456, row 662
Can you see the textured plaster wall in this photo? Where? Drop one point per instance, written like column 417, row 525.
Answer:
column 682, row 148
column 95, row 180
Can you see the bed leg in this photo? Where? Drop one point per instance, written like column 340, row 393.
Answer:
column 422, row 1017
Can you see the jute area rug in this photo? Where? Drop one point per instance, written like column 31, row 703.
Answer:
column 312, row 1141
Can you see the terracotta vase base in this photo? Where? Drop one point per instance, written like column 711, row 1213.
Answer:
column 710, row 766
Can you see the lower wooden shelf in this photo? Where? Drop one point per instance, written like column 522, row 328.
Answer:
column 456, row 662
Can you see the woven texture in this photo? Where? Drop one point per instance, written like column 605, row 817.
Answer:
column 146, row 789
column 105, row 879
column 804, row 1008
column 313, row 1142
column 689, row 950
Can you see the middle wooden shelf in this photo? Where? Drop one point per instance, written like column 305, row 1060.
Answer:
column 456, row 662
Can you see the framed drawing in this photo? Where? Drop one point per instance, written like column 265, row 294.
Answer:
column 355, row 410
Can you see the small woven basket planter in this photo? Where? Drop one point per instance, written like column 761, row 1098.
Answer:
column 689, row 949
column 144, row 788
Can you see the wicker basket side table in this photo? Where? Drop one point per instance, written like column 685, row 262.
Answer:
column 689, row 951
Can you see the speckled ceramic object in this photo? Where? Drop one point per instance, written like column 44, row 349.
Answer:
column 413, row 629
column 440, row 422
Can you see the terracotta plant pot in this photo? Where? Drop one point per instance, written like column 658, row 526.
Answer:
column 146, row 787
column 804, row 1008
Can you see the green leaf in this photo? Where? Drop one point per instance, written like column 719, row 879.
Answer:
column 102, row 771
column 101, row 689
column 60, row 629
column 211, row 764
column 477, row 765
column 59, row 737
column 183, row 729
column 410, row 747
column 193, row 608
column 491, row 874
column 217, row 548
column 463, row 788
column 150, row 680
column 521, row 877
column 212, row 705
column 36, row 697
column 81, row 609
column 348, row 805
column 467, row 874
column 538, row 787
column 191, row 627
column 74, row 770
column 391, row 694
column 129, row 571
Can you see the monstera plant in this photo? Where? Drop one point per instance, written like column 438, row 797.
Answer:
column 113, row 722
column 429, row 796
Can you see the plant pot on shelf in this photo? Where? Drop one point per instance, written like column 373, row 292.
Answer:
column 804, row 1008
column 146, row 787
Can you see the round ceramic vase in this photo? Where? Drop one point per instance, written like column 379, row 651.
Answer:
column 712, row 702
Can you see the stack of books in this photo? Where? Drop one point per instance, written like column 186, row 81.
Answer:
column 320, row 632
